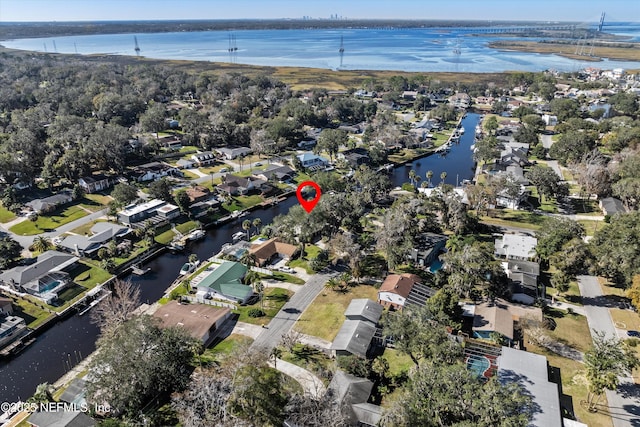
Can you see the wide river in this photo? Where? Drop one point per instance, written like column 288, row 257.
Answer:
column 66, row 343
column 409, row 49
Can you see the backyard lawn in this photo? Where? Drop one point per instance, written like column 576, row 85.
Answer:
column 324, row 317
column 95, row 202
column 273, row 300
column 89, row 276
column 311, row 251
column 572, row 330
column 46, row 223
column 86, row 228
column 33, row 314
column 243, row 202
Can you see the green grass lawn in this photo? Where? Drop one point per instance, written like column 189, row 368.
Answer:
column 98, row 198
column 189, row 175
column 572, row 330
column 243, row 202
column 6, row 215
column 223, row 348
column 311, row 251
column 33, row 313
column 590, row 227
column 586, row 207
column 86, row 228
column 46, row 223
column 398, row 362
column 166, row 234
column 273, row 300
column 284, row 277
column 508, row 217
column 89, row 276
column 324, row 317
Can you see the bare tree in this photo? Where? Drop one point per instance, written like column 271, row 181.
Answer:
column 118, row 307
column 306, row 410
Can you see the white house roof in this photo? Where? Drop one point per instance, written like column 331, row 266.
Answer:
column 143, row 207
column 516, row 246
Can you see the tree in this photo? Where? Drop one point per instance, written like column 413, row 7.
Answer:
column 257, row 222
column 182, row 200
column 41, row 244
column 554, row 233
column 205, row 402
column 161, row 189
column 154, row 361
column 572, row 146
column 486, row 149
column 429, row 175
column 546, row 181
column 330, row 141
column 443, row 176
column 633, row 293
column 564, row 108
column 450, row 395
column 124, row 193
column 246, row 226
column 9, row 250
column 491, row 124
column 307, row 410
column 258, row 395
column 275, row 354
column 118, row 307
column 42, row 394
column 615, row 248
column 152, row 120
column 606, row 361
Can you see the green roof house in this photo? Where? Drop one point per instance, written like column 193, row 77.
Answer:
column 225, row 281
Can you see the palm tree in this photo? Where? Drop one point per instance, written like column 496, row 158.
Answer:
column 333, row 283
column 429, row 175
column 276, row 353
column 248, row 259
column 193, row 258
column 443, row 176
column 246, row 225
column 345, row 280
column 412, row 176
column 257, row 223
column 454, row 243
column 41, row 244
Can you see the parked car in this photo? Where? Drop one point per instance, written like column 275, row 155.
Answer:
column 257, row 164
column 287, row 270
column 634, row 334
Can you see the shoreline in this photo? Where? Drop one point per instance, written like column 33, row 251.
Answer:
column 601, row 52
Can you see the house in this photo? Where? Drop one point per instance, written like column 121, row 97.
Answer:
column 224, row 281
column 272, row 248
column 460, row 100
column 6, row 307
column 312, row 161
column 50, row 203
column 95, row 183
column 202, row 208
column 61, row 419
column 275, row 172
column 201, row 321
column 427, row 248
column 43, row 278
column 153, row 171
column 75, row 393
column 358, row 330
column 198, row 194
column 101, row 234
column 231, row 153
column 11, row 329
column 531, row 371
column 409, row 95
column 516, row 246
column 136, row 213
column 396, row 288
column 204, row 158
column 238, row 185
column 550, row 119
column 356, row 157
column 186, row 164
column 611, row 206
column 524, row 280
column 491, row 318
column 352, row 393
column 168, row 212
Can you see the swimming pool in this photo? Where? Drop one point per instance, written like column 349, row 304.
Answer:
column 435, row 266
column 478, row 364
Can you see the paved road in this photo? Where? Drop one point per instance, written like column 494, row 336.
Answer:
column 291, row 311
column 546, row 141
column 624, row 403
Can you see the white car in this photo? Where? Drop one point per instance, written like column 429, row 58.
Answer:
column 287, row 270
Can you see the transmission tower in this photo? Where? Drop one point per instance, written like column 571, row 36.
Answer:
column 341, row 50
column 601, row 24
column 137, row 47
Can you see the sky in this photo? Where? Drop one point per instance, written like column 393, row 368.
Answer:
column 101, row 10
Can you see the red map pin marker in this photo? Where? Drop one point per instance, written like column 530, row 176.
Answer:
column 308, row 205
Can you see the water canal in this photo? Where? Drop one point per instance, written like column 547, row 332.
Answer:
column 61, row 347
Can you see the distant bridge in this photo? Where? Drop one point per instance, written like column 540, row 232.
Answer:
column 520, row 29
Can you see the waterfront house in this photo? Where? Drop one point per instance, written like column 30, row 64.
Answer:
column 312, row 161
column 60, row 419
column 101, row 234
column 95, row 183
column 272, row 248
column 49, row 204
column 135, row 213
column 6, row 306
column 358, row 330
column 460, row 100
column 238, row 185
column 231, row 153
column 395, row 289
column 224, row 281
column 204, row 158
column 11, row 328
column 202, row 322
column 167, row 212
column 516, row 246
column 427, row 248
column 355, row 157
column 43, row 278
column 276, row 172
column 198, row 193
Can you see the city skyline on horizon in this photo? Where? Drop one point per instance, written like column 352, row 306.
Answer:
column 460, row 10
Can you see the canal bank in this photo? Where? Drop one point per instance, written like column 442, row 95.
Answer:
column 64, row 345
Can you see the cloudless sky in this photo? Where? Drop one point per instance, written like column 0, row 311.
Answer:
column 100, row 10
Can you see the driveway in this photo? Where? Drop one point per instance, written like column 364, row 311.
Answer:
column 546, row 141
column 291, row 311
column 624, row 403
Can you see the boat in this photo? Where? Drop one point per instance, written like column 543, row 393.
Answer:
column 239, row 235
column 176, row 245
column 188, row 268
column 139, row 271
column 461, row 130
column 196, row 234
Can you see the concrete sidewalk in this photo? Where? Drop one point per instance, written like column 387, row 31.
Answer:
column 311, row 384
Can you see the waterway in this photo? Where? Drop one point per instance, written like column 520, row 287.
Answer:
column 406, row 49
column 65, row 344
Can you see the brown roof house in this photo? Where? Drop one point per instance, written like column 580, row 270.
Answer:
column 201, row 321
column 272, row 248
column 396, row 288
column 499, row 316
